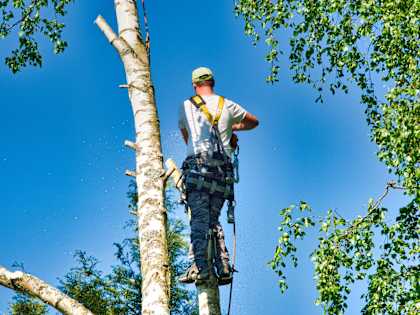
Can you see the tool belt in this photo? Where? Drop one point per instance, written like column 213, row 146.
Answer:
column 211, row 173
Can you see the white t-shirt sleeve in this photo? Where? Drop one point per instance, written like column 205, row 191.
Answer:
column 237, row 111
column 182, row 119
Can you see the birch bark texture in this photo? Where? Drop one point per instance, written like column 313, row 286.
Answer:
column 26, row 283
column 151, row 213
column 208, row 292
column 209, row 297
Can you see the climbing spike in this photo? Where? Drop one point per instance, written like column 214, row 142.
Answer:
column 130, row 144
column 130, row 173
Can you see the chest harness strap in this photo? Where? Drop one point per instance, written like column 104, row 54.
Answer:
column 198, row 102
column 215, row 137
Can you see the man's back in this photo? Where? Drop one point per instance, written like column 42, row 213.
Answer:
column 198, row 126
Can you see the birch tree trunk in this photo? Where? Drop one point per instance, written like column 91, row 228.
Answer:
column 152, row 216
column 209, row 298
column 208, row 292
column 26, row 283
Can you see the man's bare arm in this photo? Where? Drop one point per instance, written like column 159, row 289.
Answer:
column 249, row 122
column 184, row 133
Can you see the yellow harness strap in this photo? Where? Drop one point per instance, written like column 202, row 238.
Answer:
column 219, row 111
column 199, row 103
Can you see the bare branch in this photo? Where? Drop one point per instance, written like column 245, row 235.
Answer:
column 26, row 283
column 131, row 145
column 130, row 173
column 119, row 43
column 378, row 202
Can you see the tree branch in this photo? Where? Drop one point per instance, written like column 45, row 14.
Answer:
column 378, row 202
column 30, row 9
column 121, row 43
column 118, row 42
column 26, row 283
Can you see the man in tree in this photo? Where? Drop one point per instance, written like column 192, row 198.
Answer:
column 207, row 122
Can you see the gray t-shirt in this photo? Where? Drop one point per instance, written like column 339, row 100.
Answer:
column 192, row 119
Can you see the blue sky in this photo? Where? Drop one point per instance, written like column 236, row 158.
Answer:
column 62, row 159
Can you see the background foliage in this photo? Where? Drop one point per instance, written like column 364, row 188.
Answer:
column 23, row 304
column 341, row 44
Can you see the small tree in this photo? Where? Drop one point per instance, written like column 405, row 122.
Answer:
column 25, row 305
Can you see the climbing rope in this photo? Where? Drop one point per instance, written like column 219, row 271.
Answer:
column 146, row 28
column 236, row 178
column 233, row 267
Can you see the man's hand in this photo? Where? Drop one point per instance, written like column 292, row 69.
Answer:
column 184, row 133
column 249, row 122
column 234, row 141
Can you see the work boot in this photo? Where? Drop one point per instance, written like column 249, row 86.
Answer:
column 193, row 274
column 224, row 272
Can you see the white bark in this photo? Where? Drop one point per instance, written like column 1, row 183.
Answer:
column 128, row 27
column 26, row 283
column 152, row 217
column 208, row 292
column 208, row 297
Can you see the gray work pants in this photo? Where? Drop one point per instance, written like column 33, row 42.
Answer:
column 205, row 213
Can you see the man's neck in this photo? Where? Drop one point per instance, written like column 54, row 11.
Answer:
column 204, row 91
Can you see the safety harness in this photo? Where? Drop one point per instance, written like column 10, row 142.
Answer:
column 198, row 102
column 211, row 172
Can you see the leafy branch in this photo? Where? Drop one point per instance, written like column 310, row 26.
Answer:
column 345, row 254
column 33, row 20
